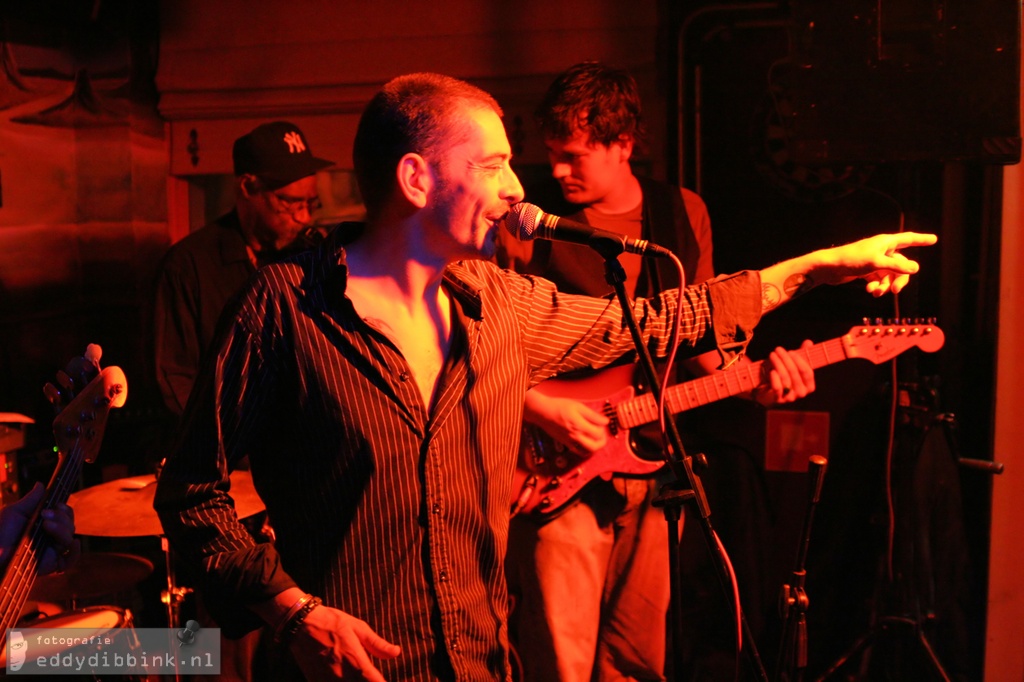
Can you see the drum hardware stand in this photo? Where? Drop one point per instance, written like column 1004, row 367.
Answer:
column 793, row 602
column 173, row 595
column 687, row 486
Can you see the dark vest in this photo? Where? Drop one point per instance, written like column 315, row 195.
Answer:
column 579, row 269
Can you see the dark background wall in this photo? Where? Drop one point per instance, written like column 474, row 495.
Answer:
column 809, row 124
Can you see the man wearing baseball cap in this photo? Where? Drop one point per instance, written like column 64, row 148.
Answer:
column 275, row 197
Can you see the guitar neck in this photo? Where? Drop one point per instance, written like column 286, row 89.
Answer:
column 719, row 385
column 20, row 573
column 78, row 431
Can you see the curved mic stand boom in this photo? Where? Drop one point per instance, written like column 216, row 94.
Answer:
column 687, row 486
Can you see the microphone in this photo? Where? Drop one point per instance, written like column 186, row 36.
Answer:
column 526, row 221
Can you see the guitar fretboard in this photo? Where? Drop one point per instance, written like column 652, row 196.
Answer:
column 20, row 574
column 643, row 409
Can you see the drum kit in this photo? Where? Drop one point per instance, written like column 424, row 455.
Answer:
column 116, row 509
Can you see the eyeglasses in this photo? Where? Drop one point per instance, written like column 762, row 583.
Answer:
column 293, row 205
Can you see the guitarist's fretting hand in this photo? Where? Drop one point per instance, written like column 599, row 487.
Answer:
column 795, row 382
column 59, row 523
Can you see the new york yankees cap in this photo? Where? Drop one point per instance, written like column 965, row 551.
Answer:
column 277, row 153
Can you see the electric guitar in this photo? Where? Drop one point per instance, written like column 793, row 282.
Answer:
column 78, row 431
column 549, row 475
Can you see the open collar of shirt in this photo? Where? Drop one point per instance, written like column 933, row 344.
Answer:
column 462, row 283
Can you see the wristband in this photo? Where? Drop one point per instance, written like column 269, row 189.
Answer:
column 299, row 603
column 292, row 626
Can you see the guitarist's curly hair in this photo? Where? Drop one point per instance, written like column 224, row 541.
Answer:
column 595, row 98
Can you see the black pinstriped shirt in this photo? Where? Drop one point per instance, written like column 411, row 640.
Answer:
column 393, row 513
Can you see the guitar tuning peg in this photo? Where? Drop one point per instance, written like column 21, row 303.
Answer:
column 865, row 321
column 65, row 380
column 93, row 353
column 52, row 394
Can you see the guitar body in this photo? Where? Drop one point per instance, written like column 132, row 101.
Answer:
column 552, row 474
column 549, row 475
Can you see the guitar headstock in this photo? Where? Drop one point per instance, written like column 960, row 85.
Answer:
column 84, row 399
column 880, row 341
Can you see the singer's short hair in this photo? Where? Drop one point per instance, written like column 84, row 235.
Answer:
column 417, row 113
column 595, row 98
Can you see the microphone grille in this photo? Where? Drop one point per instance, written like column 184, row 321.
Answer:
column 523, row 220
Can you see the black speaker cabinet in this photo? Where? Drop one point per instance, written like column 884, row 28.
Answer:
column 903, row 80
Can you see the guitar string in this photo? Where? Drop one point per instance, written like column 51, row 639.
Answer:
column 26, row 556
column 687, row 395
column 642, row 409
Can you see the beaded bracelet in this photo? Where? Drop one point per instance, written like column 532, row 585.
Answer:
column 299, row 603
column 293, row 625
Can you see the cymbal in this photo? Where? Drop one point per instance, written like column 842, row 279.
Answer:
column 95, row 574
column 34, row 610
column 124, row 508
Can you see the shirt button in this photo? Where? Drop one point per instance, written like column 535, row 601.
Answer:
column 443, row 576
column 436, row 508
column 403, row 376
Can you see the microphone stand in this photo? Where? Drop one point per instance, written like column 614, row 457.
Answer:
column 687, row 486
column 791, row 663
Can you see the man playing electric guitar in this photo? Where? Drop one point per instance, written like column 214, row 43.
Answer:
column 592, row 581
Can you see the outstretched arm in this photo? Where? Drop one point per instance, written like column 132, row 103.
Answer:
column 875, row 259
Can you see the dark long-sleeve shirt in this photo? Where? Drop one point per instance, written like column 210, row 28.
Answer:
column 393, row 513
column 197, row 278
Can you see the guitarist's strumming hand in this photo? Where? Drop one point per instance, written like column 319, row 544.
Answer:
column 59, row 523
column 581, row 428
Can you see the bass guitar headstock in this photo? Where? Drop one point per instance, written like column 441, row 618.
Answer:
column 84, row 397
